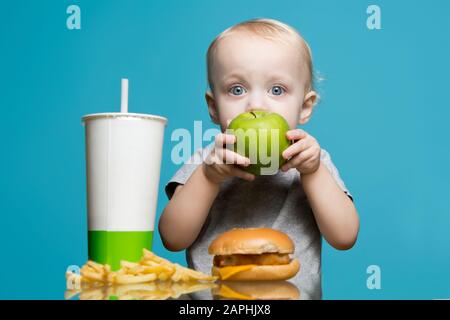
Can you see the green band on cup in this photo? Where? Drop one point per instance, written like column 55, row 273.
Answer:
column 110, row 247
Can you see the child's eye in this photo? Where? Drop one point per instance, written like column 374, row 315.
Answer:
column 277, row 90
column 237, row 90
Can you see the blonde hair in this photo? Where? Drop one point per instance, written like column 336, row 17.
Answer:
column 269, row 29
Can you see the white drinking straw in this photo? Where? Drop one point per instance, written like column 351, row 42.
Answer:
column 124, row 98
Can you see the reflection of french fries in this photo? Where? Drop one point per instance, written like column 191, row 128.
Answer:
column 149, row 269
column 157, row 290
column 92, row 294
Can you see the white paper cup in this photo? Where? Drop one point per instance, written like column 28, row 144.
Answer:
column 123, row 161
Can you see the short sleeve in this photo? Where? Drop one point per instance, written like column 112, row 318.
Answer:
column 326, row 160
column 183, row 174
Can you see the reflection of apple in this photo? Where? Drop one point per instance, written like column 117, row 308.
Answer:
column 260, row 136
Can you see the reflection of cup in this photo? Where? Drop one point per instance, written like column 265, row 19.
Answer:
column 123, row 160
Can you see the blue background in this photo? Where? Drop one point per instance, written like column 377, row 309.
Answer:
column 383, row 117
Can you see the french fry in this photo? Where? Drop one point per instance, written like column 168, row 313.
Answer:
column 111, row 277
column 92, row 276
column 157, row 269
column 176, row 276
column 77, row 282
column 148, row 255
column 163, row 276
column 130, row 279
column 96, row 266
column 150, row 263
column 127, row 264
column 136, row 270
column 185, row 277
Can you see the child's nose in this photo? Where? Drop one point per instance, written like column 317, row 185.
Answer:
column 256, row 102
column 256, row 106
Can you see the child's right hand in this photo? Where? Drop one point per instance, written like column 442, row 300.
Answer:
column 221, row 163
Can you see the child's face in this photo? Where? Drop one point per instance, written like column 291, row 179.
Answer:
column 251, row 73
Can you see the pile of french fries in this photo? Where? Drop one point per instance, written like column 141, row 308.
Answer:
column 150, row 268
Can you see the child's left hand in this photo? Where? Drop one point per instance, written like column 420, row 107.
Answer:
column 304, row 154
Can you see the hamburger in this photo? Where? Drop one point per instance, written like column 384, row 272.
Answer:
column 253, row 254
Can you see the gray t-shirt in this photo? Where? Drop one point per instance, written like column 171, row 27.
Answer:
column 272, row 201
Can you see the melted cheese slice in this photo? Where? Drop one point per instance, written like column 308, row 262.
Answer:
column 227, row 272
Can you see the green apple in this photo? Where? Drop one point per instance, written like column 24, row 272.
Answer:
column 261, row 137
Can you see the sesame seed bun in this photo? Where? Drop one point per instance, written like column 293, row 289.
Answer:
column 251, row 241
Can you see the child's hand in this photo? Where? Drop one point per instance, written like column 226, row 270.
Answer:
column 304, row 154
column 221, row 163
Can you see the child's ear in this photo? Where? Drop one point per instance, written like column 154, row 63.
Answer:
column 308, row 105
column 212, row 107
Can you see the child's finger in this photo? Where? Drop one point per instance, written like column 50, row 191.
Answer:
column 295, row 148
column 231, row 157
column 235, row 171
column 224, row 139
column 298, row 160
column 296, row 134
